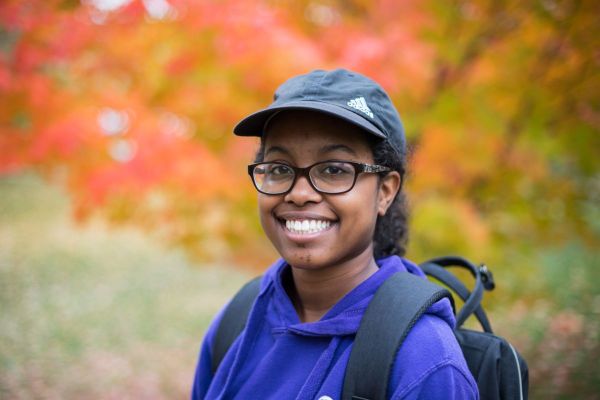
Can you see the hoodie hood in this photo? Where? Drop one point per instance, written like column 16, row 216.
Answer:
column 345, row 316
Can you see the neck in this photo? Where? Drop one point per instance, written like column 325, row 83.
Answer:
column 314, row 292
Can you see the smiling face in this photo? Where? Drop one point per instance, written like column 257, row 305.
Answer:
column 311, row 230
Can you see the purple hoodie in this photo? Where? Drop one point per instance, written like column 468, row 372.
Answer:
column 279, row 357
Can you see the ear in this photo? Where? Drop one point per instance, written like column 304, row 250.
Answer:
column 388, row 187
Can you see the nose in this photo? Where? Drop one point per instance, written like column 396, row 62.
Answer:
column 302, row 192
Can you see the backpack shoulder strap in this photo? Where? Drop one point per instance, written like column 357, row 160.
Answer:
column 397, row 305
column 233, row 321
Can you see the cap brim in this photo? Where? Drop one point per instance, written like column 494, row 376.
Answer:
column 253, row 125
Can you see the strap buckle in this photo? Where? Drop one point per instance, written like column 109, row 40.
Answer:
column 487, row 278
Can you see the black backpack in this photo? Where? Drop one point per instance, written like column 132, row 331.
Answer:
column 499, row 370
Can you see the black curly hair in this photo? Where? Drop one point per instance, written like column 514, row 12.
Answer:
column 391, row 230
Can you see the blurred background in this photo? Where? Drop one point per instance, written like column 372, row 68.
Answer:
column 127, row 218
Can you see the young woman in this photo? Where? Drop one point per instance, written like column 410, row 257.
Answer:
column 329, row 174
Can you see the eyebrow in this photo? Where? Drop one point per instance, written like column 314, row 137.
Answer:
column 275, row 149
column 334, row 147
column 324, row 150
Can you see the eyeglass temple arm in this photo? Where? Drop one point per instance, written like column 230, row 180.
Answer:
column 374, row 168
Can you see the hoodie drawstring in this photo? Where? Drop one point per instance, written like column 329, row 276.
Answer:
column 319, row 372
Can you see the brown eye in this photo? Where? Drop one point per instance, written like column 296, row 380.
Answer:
column 280, row 169
column 333, row 169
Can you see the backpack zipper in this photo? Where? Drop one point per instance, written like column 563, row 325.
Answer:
column 518, row 370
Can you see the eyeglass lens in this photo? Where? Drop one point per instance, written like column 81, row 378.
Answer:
column 327, row 177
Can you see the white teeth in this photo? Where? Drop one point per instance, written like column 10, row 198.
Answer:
column 306, row 226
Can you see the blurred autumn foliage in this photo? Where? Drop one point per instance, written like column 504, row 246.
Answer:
column 130, row 105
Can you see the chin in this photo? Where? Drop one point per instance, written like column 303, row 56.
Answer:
column 306, row 260
column 303, row 261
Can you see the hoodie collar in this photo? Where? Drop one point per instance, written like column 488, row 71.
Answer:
column 344, row 317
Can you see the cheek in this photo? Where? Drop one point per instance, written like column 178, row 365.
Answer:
column 266, row 204
column 359, row 211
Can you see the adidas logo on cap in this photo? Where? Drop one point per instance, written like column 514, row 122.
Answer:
column 360, row 104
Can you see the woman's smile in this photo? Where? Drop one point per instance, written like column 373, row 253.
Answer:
column 303, row 227
column 306, row 226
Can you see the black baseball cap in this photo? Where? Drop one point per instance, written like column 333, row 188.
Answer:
column 341, row 93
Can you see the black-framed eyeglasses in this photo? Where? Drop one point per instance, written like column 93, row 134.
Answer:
column 328, row 177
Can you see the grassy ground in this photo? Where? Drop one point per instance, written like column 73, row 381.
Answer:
column 90, row 312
